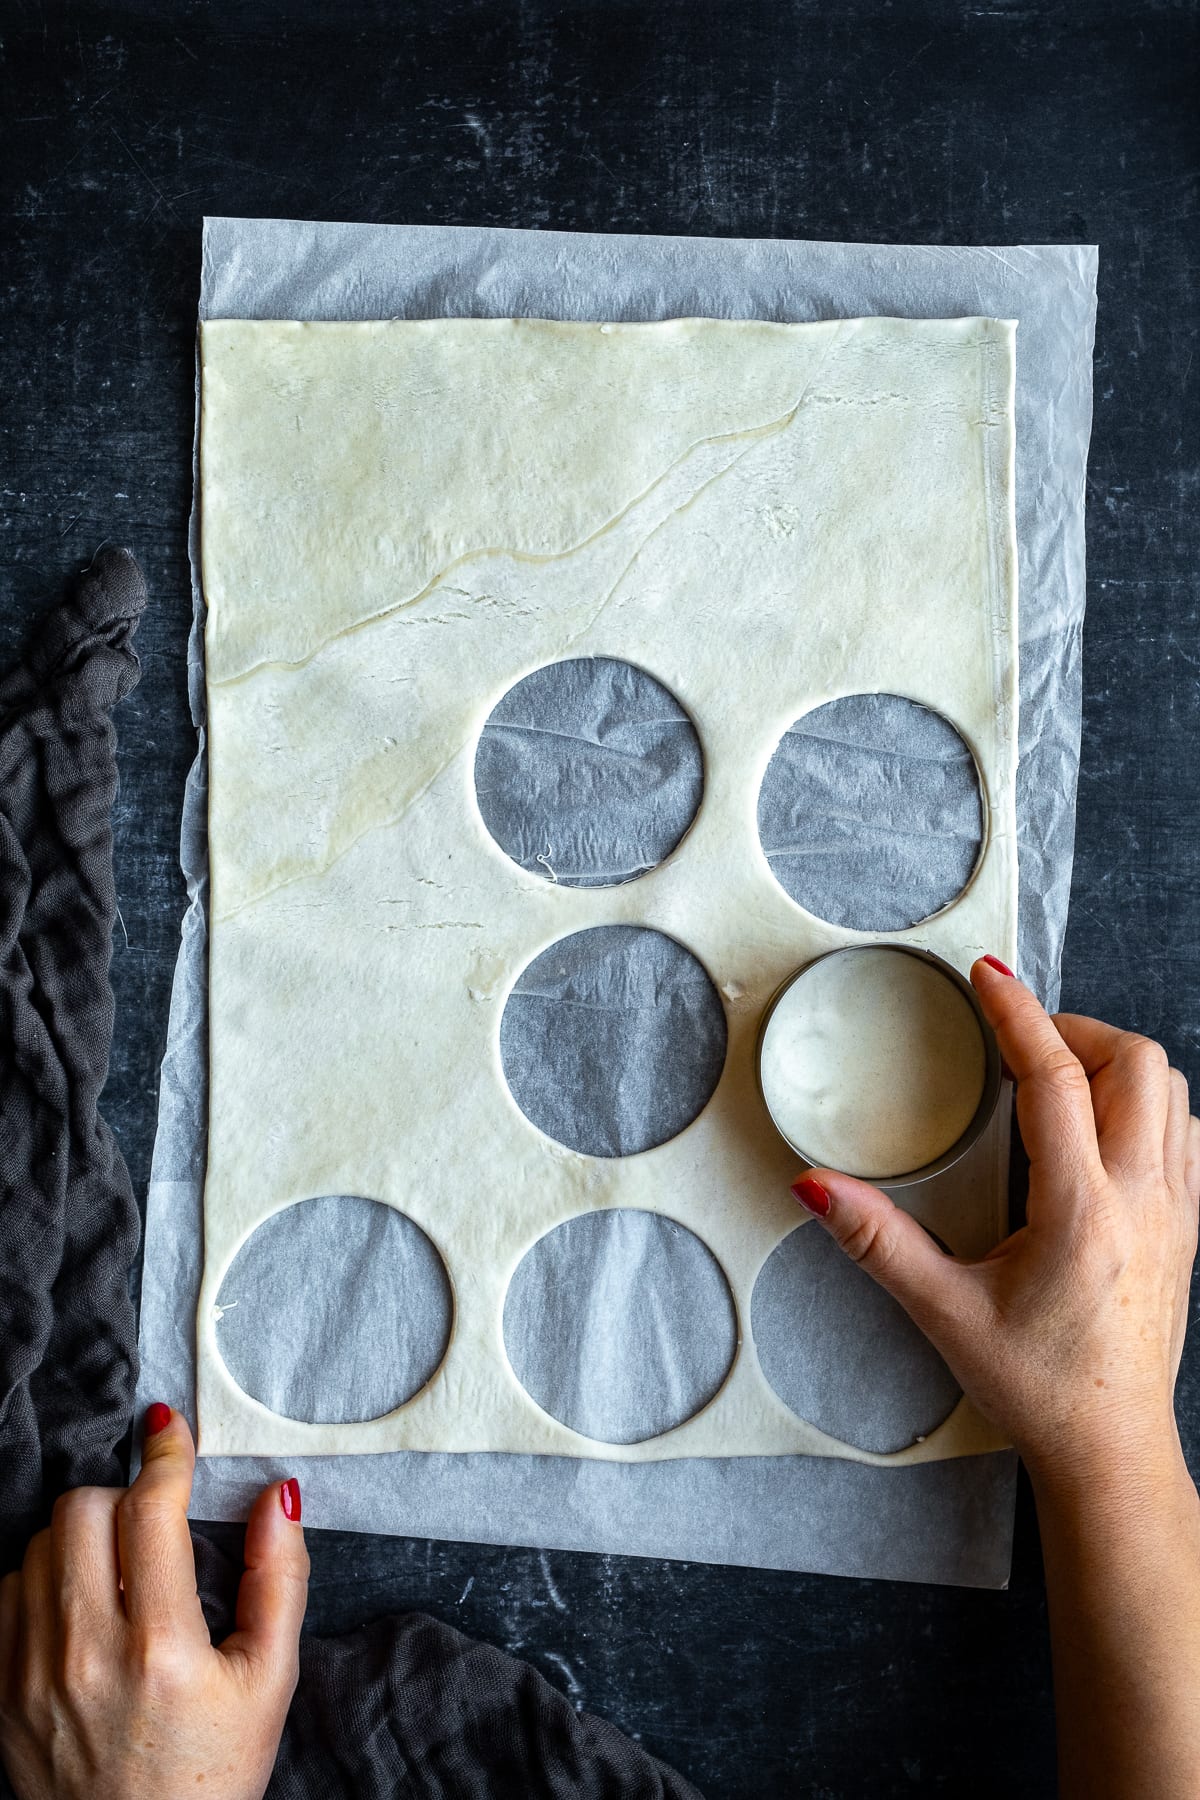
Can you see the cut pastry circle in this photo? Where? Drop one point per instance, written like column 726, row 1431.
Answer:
column 588, row 772
column 337, row 1351
column 613, row 1040
column 620, row 1324
column 873, row 1060
column 872, row 779
column 879, row 1383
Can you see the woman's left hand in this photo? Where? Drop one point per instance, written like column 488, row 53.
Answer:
column 110, row 1687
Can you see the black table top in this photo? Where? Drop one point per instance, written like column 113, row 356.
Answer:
column 897, row 120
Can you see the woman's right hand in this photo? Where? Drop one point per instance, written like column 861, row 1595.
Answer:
column 1068, row 1335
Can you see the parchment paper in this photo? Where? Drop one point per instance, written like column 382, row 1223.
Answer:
column 948, row 1521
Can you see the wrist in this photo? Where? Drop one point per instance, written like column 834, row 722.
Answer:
column 1126, row 1476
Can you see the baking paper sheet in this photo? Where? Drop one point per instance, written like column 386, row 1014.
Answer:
column 946, row 1521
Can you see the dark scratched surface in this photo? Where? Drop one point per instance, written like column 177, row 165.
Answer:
column 906, row 122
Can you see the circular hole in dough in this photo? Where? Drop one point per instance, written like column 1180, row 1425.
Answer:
column 840, row 1352
column 620, row 1324
column 870, row 813
column 355, row 1344
column 613, row 1040
column 588, row 772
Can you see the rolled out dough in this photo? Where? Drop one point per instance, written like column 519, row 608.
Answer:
column 401, row 520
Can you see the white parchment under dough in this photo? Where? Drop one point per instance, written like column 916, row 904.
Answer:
column 399, row 521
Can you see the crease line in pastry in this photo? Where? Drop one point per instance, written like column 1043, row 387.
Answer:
column 781, row 425
column 771, row 428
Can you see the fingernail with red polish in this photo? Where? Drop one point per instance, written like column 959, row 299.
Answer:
column 812, row 1195
column 993, row 962
column 289, row 1499
column 158, row 1417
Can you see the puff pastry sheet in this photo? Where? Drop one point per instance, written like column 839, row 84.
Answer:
column 399, row 521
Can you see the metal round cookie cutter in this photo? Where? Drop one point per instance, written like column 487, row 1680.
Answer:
column 993, row 1075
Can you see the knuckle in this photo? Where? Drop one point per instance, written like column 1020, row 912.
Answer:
column 77, row 1505
column 37, row 1551
column 64, row 1510
column 29, row 1691
column 1109, row 1244
column 159, row 1658
column 297, row 1575
column 141, row 1506
column 1145, row 1054
column 1061, row 1068
column 871, row 1244
column 1183, row 1216
column 82, row 1664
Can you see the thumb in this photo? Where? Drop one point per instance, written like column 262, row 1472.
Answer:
column 887, row 1242
column 273, row 1591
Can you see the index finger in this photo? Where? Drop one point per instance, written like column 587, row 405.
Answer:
column 1094, row 1043
column 158, row 1566
column 1054, row 1098
column 1131, row 1091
